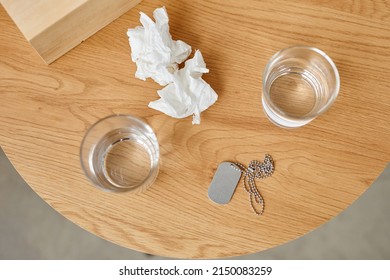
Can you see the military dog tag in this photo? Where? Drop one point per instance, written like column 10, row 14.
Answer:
column 224, row 183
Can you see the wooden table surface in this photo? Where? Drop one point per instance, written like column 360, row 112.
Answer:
column 320, row 169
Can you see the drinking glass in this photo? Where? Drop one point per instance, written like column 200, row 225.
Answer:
column 299, row 84
column 120, row 153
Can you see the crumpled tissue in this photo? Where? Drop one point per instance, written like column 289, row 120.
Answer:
column 157, row 56
column 188, row 94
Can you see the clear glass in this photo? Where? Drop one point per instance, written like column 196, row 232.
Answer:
column 299, row 84
column 120, row 153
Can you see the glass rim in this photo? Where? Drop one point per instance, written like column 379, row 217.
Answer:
column 330, row 101
column 154, row 160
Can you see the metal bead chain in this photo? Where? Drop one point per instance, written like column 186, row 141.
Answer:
column 255, row 170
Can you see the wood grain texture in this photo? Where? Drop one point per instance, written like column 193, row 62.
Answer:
column 55, row 27
column 320, row 168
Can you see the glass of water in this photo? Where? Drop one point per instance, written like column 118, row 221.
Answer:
column 120, row 153
column 299, row 84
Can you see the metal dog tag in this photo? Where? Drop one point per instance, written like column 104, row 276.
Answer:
column 224, row 183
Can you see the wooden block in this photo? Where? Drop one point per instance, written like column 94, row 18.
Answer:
column 55, row 27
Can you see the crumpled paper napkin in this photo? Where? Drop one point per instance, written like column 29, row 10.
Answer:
column 188, row 94
column 157, row 56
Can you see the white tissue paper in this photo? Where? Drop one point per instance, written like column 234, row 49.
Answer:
column 153, row 49
column 188, row 94
column 157, row 56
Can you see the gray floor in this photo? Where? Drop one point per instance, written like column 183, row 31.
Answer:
column 30, row 229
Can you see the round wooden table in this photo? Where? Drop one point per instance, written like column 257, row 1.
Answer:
column 321, row 168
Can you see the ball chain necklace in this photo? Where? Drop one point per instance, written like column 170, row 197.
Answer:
column 255, row 170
